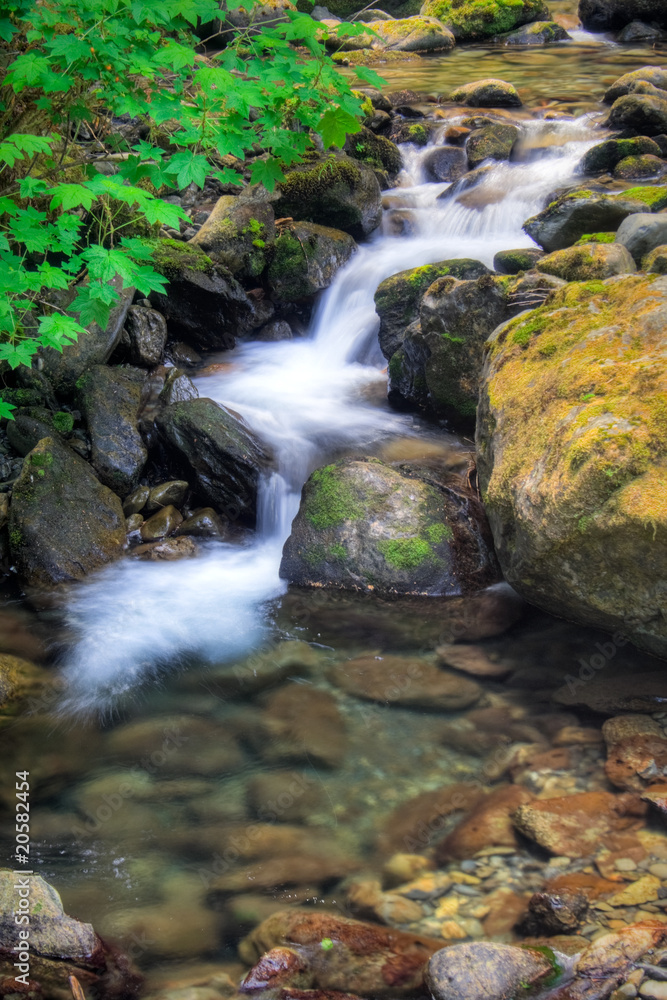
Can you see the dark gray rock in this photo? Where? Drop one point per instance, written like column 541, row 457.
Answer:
column 146, row 331
column 63, row 522
column 177, row 388
column 641, row 113
column 514, row 261
column 573, row 215
column 218, row 452
column 30, row 425
column 492, row 142
column 602, row 159
column 610, row 15
column 204, row 523
column 642, row 233
column 638, row 31
column 110, row 399
column 445, row 163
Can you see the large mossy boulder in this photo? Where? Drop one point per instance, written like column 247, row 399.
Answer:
column 63, row 522
column 217, row 450
column 537, row 33
column 366, row 525
column 571, row 216
column 604, row 157
column 438, row 367
column 473, row 20
column 587, row 261
column 654, row 76
column 334, row 191
column 572, row 454
column 110, row 399
column 203, row 303
column 305, row 258
column 610, row 15
column 643, row 114
column 413, row 34
column 238, row 234
column 488, row 93
column 377, row 151
column 491, row 142
column 397, row 298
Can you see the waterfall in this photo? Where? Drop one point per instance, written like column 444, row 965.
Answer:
column 305, row 399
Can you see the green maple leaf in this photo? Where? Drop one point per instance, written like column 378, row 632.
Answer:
column 335, row 125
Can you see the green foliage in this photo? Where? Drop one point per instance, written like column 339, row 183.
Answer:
column 75, row 187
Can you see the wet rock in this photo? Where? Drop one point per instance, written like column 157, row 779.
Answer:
column 277, row 330
column 380, row 152
column 397, row 298
column 175, row 745
column 30, row 425
column 482, row 969
column 642, row 233
column 204, row 523
column 656, row 796
column 576, row 826
column 133, row 523
column 415, row 133
column 643, row 113
column 471, row 660
column 20, row 681
column 488, row 93
column 655, row 262
column 238, row 234
column 146, row 331
column 59, row 947
column 444, row 163
column 415, row 683
column 303, row 723
column 606, row 155
column 93, row 348
column 608, row 15
column 636, row 752
column 537, row 33
column 474, row 23
column 305, row 259
column 609, row 695
column 278, row 967
column 572, row 215
column 172, row 492
column 415, row 824
column 286, row 796
column 178, row 388
column 269, row 667
column 642, row 167
column 551, row 912
column 559, row 530
column 183, row 354
column 514, row 261
column 492, row 142
column 167, row 550
column 136, row 501
column 488, row 825
column 218, row 451
column 161, row 524
column 171, row 929
column 336, row 192
column 608, row 960
column 587, row 261
column 110, row 399
column 63, row 522
column 364, row 958
column 205, row 305
column 422, row 537
column 656, row 76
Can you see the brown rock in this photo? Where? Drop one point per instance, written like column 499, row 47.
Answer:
column 413, row 825
column 471, row 660
column 358, row 957
column 411, row 682
column 532, row 758
column 656, row 795
column 302, row 723
column 591, row 886
column 507, row 908
column 161, row 524
column 636, row 751
column 278, row 967
column 365, row 898
column 175, row 745
column 488, row 825
column 578, row 825
column 286, row 796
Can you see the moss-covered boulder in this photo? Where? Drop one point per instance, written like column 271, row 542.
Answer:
column 110, row 398
column 603, row 158
column 472, row 20
column 643, row 114
column 32, row 423
column 566, row 220
column 414, row 34
column 334, row 191
column 572, row 454
column 365, row 525
column 305, row 258
column 644, row 167
column 489, row 93
column 438, row 367
column 63, row 522
column 610, row 15
column 587, row 261
column 537, row 33
column 238, row 234
column 398, row 298
column 375, row 150
column 656, row 76
column 203, row 304
column 218, row 452
column 515, row 261
column 655, row 262
column 417, row 133
column 491, row 142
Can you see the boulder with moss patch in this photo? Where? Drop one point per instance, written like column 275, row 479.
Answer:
column 375, row 150
column 642, row 233
column 398, row 298
column 655, row 76
column 203, row 304
column 537, row 33
column 655, row 262
column 587, row 261
column 413, row 34
column 305, row 258
column 515, row 261
column 472, row 20
column 643, row 114
column 572, row 454
column 603, row 158
column 366, row 525
column 63, row 522
column 238, row 234
column 566, row 220
column 644, row 167
column 334, row 191
column 491, row 142
column 489, row 93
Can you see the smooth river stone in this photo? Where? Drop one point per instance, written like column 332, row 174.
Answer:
column 410, row 682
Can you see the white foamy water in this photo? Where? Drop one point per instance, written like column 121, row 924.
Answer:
column 305, row 398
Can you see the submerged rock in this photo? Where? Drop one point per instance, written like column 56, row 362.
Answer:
column 571, row 461
column 63, row 522
column 305, row 259
column 636, row 752
column 394, row 680
column 572, row 215
column 482, row 969
column 366, row 525
column 484, row 18
column 577, row 826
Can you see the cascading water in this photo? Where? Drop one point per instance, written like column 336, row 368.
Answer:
column 305, row 399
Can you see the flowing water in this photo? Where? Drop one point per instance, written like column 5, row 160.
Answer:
column 175, row 657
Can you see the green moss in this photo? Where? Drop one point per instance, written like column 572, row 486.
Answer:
column 396, row 366
column 63, row 422
column 418, row 134
column 596, row 238
column 41, row 458
column 337, row 551
column 300, row 186
column 171, row 258
column 654, row 197
column 15, row 538
column 472, row 19
column 328, row 501
column 405, row 553
column 437, row 533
